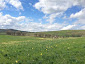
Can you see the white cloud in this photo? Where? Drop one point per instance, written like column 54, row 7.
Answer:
column 53, row 6
column 2, row 4
column 9, row 20
column 23, row 23
column 68, row 27
column 82, row 27
column 16, row 3
column 80, row 16
column 51, row 18
column 58, row 7
column 81, row 2
column 37, row 27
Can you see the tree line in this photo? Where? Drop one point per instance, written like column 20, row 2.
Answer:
column 58, row 35
column 43, row 35
column 16, row 33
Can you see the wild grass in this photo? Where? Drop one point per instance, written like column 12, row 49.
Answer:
column 35, row 50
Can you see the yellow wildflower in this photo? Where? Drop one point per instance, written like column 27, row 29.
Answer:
column 41, row 54
column 16, row 61
column 46, row 49
column 32, row 48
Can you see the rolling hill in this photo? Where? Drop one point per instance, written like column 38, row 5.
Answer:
column 62, row 33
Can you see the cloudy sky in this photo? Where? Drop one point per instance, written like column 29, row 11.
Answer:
column 42, row 15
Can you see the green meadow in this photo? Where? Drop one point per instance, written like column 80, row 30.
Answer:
column 35, row 50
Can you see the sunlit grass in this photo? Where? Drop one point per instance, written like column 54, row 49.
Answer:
column 33, row 50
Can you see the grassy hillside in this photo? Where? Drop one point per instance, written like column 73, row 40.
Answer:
column 49, row 34
column 65, row 33
column 35, row 50
column 10, row 32
column 5, row 30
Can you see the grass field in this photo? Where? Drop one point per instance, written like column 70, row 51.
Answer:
column 35, row 50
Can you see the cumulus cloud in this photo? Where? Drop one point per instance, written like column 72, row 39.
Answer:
column 82, row 27
column 68, row 27
column 53, row 6
column 23, row 23
column 51, row 18
column 56, row 7
column 9, row 20
column 51, row 9
column 81, row 2
column 16, row 3
column 80, row 16
column 2, row 4
column 38, row 27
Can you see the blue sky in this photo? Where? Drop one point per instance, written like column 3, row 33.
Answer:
column 42, row 15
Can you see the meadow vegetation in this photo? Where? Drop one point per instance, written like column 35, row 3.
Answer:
column 51, row 34
column 36, row 50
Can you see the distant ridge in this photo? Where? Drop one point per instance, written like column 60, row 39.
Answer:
column 3, row 31
column 47, row 32
column 62, row 33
